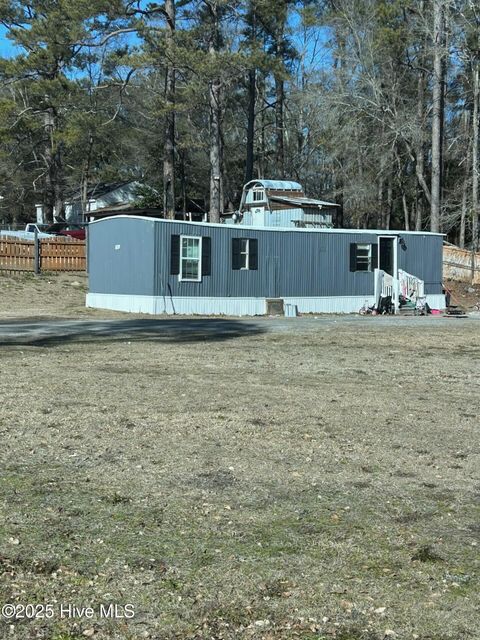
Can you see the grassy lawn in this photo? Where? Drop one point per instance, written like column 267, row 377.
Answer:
column 289, row 484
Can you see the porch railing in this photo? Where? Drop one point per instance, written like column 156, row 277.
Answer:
column 406, row 285
column 410, row 286
column 385, row 285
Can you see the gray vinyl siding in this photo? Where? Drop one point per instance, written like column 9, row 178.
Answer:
column 290, row 263
column 423, row 257
column 129, row 268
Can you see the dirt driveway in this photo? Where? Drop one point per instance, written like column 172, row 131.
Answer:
column 236, row 479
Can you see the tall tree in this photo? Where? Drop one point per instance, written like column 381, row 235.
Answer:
column 51, row 37
column 251, row 36
column 215, row 111
column 475, row 154
column 169, row 154
column 437, row 112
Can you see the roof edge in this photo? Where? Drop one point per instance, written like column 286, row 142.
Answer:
column 382, row 232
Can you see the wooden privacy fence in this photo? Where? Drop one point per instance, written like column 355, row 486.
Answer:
column 52, row 254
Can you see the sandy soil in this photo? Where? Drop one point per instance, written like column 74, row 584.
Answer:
column 316, row 482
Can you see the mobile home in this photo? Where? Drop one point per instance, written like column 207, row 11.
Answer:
column 158, row 266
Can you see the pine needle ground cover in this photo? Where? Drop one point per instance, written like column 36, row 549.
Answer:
column 305, row 481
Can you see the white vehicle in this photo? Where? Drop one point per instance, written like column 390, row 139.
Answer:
column 28, row 233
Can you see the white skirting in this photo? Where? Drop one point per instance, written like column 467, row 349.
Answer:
column 330, row 304
column 158, row 305
column 436, row 301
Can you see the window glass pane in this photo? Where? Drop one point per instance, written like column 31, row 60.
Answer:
column 190, row 248
column 190, row 269
column 243, row 245
column 363, row 266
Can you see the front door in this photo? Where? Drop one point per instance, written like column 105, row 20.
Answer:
column 386, row 254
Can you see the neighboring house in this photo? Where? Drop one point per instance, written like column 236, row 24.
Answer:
column 147, row 265
column 281, row 203
column 99, row 196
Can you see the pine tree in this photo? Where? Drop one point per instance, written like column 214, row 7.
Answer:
column 52, row 38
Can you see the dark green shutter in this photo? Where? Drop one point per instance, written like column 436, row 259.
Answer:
column 175, row 255
column 374, row 257
column 253, row 254
column 353, row 256
column 236, row 253
column 206, row 256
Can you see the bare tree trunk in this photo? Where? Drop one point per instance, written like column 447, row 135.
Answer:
column 49, row 195
column 279, row 126
column 169, row 142
column 263, row 140
column 466, row 179
column 437, row 114
column 475, row 150
column 420, row 143
column 406, row 216
column 252, row 98
column 58, row 180
column 279, row 50
column 215, row 95
column 183, row 182
column 419, row 212
column 380, row 215
column 252, row 95
column 86, row 179
column 388, row 218
column 215, row 152
column 53, row 201
column 420, row 149
column 463, row 215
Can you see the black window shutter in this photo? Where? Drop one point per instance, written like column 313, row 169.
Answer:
column 353, row 256
column 253, row 254
column 206, row 256
column 175, row 255
column 236, row 253
column 374, row 257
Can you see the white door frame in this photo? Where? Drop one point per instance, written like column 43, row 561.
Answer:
column 395, row 265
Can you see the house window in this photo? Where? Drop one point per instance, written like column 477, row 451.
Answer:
column 258, row 195
column 245, row 254
column 190, row 258
column 363, row 256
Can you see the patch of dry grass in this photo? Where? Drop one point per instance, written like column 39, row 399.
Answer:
column 319, row 484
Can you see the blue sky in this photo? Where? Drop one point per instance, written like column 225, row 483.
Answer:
column 6, row 48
